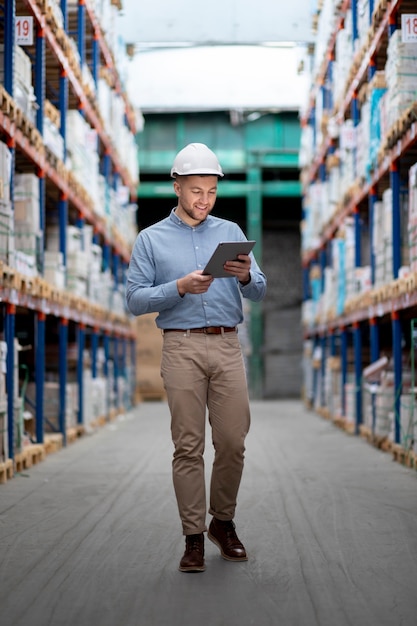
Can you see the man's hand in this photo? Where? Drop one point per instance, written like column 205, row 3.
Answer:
column 195, row 282
column 239, row 268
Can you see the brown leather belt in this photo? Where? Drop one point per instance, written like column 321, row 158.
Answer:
column 208, row 330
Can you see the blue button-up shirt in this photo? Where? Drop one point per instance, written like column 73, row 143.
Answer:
column 171, row 249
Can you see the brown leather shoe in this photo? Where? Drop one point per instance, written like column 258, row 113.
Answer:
column 193, row 559
column 223, row 534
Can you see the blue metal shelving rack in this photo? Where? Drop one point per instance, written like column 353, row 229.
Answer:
column 387, row 311
column 91, row 331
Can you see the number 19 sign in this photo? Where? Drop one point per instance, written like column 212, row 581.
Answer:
column 409, row 27
column 24, row 30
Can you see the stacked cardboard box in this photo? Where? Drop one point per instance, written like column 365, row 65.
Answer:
column 27, row 233
column 412, row 216
column 51, row 405
column 148, row 358
column 401, row 77
column 82, row 156
column 6, row 214
column 24, row 94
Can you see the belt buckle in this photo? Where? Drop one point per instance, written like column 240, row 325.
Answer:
column 210, row 330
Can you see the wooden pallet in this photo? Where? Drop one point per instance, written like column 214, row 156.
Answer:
column 113, row 413
column 350, row 427
column 74, row 433
column 8, row 277
column 55, row 295
column 400, row 127
column 324, row 412
column 6, row 471
column 411, row 459
column 52, row 159
column 366, row 433
column 62, row 39
column 403, row 456
column 28, row 285
column 383, row 443
column 98, row 422
column 22, row 461
column 339, row 421
column 51, row 17
column 53, row 442
column 26, row 126
column 9, row 106
column 43, row 5
column 43, row 288
column 36, row 452
column 411, row 283
column 344, row 424
column 379, row 11
column 37, row 140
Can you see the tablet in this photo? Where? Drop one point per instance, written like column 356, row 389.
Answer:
column 226, row 251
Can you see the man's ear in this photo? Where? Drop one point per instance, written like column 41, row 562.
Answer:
column 177, row 188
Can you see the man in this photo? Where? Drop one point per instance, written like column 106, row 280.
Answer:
column 202, row 364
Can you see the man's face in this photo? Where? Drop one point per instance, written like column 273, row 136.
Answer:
column 196, row 197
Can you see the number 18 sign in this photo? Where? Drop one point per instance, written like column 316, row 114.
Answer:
column 24, row 30
column 409, row 27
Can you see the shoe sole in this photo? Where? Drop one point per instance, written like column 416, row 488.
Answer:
column 202, row 568
column 228, row 558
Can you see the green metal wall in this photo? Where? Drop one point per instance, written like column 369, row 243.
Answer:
column 259, row 155
column 274, row 138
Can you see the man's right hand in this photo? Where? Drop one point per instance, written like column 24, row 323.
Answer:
column 196, row 282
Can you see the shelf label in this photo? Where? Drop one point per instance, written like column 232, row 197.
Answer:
column 24, row 30
column 409, row 27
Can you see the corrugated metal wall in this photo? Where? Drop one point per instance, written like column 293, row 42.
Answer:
column 282, row 314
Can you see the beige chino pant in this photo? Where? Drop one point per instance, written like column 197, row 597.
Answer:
column 199, row 372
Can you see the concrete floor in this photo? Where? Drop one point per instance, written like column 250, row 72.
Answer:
column 91, row 536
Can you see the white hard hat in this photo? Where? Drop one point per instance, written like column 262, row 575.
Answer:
column 196, row 158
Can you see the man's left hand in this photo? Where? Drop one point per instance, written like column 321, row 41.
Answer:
column 239, row 268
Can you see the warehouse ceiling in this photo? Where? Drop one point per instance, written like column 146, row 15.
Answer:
column 226, row 54
column 218, row 78
column 218, row 22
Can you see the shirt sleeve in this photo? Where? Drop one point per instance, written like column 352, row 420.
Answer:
column 255, row 290
column 142, row 295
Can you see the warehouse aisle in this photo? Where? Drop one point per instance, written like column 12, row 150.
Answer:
column 91, row 536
